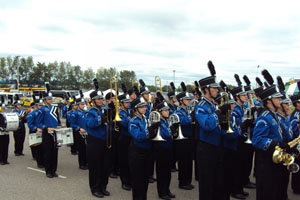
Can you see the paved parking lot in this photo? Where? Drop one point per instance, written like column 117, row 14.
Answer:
column 23, row 180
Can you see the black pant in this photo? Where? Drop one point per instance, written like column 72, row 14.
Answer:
column 74, row 146
column 139, row 170
column 247, row 152
column 151, row 163
column 210, row 169
column 4, row 142
column 50, row 152
column 115, row 152
column 123, row 145
column 174, row 158
column 296, row 178
column 98, row 157
column 239, row 168
column 229, row 163
column 37, row 152
column 19, row 136
column 163, row 158
column 185, row 161
column 81, row 146
column 270, row 178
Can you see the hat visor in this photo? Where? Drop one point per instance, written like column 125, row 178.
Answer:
column 48, row 97
column 141, row 104
column 126, row 101
column 231, row 101
column 277, row 95
column 286, row 101
column 164, row 108
column 214, row 85
column 145, row 92
column 186, row 98
column 250, row 92
column 98, row 97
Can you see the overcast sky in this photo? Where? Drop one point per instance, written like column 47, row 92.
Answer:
column 156, row 37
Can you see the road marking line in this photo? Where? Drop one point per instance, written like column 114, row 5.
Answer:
column 41, row 171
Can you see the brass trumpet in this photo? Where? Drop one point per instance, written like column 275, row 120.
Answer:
column 158, row 82
column 117, row 116
column 227, row 117
column 154, row 116
column 174, row 118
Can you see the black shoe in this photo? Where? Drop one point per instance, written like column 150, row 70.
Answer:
column 185, row 187
column 98, row 194
column 83, row 167
column 245, row 193
column 250, row 185
column 7, row 163
column 166, row 197
column 238, row 196
column 113, row 175
column 105, row 192
column 17, row 154
column 151, row 180
column 171, row 195
column 192, row 186
column 2, row 163
column 54, row 174
column 41, row 166
column 74, row 153
column 49, row 175
column 126, row 187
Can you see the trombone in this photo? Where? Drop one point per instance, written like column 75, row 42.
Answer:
column 227, row 117
column 158, row 82
column 117, row 116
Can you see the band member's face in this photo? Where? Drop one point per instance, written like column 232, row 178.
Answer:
column 19, row 106
column 196, row 96
column 113, row 99
column 142, row 109
column 287, row 108
column 243, row 98
column 298, row 105
column 214, row 92
column 276, row 102
column 81, row 106
column 174, row 99
column 99, row 102
column 250, row 96
column 39, row 106
column 75, row 107
column 146, row 97
column 186, row 102
column 232, row 107
column 126, row 105
column 132, row 96
column 48, row 101
column 165, row 113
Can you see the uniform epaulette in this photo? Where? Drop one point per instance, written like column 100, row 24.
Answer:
column 133, row 118
column 265, row 113
column 202, row 102
column 296, row 114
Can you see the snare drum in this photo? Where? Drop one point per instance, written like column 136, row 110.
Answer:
column 11, row 121
column 35, row 139
column 64, row 136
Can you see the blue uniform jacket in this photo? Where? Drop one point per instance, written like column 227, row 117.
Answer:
column 125, row 116
column 64, row 111
column 238, row 113
column 69, row 115
column 230, row 140
column 185, row 121
column 285, row 125
column 209, row 128
column 48, row 117
column 77, row 120
column 94, row 124
column 138, row 130
column 32, row 120
column 20, row 113
column 294, row 126
column 148, row 111
column 165, row 133
column 266, row 130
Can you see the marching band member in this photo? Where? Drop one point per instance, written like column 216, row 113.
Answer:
column 209, row 148
column 78, row 124
column 163, row 153
column 19, row 135
column 238, row 112
column 48, row 120
column 124, row 140
column 110, row 104
column 4, row 137
column 184, row 146
column 140, row 149
column 295, row 124
column 33, row 128
column 98, row 154
column 267, row 134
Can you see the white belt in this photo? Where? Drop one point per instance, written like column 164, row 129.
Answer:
column 3, row 133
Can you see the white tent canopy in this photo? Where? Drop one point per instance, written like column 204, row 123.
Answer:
column 291, row 89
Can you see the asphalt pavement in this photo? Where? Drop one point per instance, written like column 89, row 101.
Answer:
column 22, row 180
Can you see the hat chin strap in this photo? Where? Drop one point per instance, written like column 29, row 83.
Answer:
column 274, row 105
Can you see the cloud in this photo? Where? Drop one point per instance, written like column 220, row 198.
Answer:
column 44, row 48
column 54, row 28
